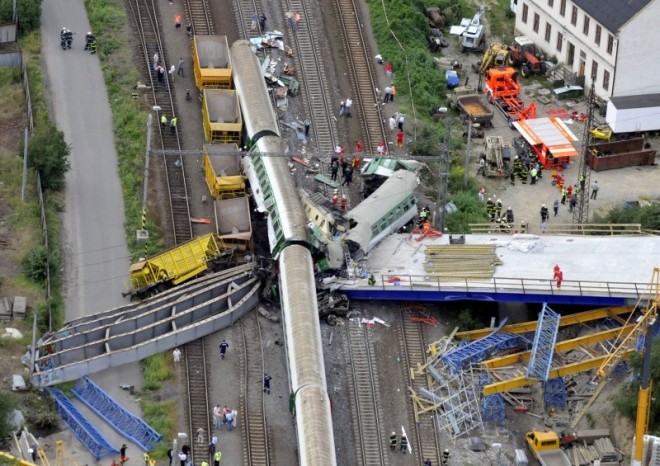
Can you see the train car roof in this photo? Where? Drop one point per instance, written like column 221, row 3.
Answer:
column 393, row 190
column 212, row 51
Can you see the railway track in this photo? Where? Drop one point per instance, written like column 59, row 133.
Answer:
column 363, row 81
column 198, row 399
column 199, row 17
column 147, row 29
column 369, row 434
column 254, row 429
column 244, row 10
column 312, row 77
column 423, row 440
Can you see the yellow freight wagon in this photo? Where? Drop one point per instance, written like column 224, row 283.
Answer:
column 221, row 115
column 211, row 62
column 175, row 265
column 223, row 172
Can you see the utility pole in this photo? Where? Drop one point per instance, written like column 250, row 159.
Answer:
column 467, row 153
column 581, row 211
column 443, row 175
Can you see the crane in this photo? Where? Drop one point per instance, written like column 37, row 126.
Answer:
column 625, row 344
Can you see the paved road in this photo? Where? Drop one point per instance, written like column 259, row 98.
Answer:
column 96, row 257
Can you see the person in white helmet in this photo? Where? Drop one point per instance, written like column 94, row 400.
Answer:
column 544, row 213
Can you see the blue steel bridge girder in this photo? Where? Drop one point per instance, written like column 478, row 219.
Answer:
column 84, row 431
column 127, row 424
column 543, row 347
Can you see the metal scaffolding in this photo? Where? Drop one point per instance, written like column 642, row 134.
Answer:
column 492, row 409
column 128, row 425
column 554, row 393
column 84, row 431
column 543, row 348
column 479, row 350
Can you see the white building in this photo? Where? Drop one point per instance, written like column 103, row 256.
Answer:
column 617, row 41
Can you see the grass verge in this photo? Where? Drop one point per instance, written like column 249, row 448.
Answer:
column 110, row 25
column 161, row 415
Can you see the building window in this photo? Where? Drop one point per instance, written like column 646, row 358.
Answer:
column 606, row 80
column 598, row 31
column 537, row 20
column 594, row 70
column 560, row 40
column 562, row 8
column 585, row 26
column 610, row 44
column 574, row 16
column 525, row 12
column 551, row 3
column 548, row 32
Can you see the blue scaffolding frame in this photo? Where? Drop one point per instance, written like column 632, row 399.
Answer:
column 84, row 431
column 492, row 409
column 478, row 350
column 543, row 347
column 125, row 423
column 554, row 393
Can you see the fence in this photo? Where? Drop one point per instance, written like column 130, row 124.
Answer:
column 594, row 229
column 511, row 285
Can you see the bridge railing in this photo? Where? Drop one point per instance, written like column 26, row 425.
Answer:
column 512, row 285
column 595, row 229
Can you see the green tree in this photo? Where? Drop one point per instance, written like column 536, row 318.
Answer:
column 626, row 400
column 48, row 153
column 7, row 405
column 28, row 11
column 648, row 216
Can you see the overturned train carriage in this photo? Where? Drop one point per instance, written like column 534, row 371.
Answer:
column 388, row 209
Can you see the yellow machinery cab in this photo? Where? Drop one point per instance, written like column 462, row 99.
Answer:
column 542, row 441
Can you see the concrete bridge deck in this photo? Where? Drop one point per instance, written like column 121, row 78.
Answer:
column 598, row 270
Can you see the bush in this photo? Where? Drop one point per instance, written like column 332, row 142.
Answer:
column 35, row 264
column 48, row 153
column 648, row 216
column 157, row 369
column 28, row 11
column 8, row 403
column 626, row 399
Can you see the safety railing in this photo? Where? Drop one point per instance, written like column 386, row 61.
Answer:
column 593, row 229
column 510, row 285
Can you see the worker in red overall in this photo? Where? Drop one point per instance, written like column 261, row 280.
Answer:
column 559, row 275
column 334, row 199
column 343, row 202
column 399, row 139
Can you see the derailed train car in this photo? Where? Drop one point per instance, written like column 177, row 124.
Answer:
column 274, row 193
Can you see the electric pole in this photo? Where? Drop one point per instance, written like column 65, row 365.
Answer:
column 581, row 210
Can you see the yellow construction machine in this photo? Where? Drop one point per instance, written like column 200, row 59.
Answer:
column 61, row 458
column 624, row 345
column 495, row 55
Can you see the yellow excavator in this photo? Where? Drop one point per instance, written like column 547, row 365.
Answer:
column 495, row 55
column 624, row 345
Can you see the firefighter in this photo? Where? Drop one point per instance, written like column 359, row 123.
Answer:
column 544, row 213
column 393, row 436
column 509, row 215
column 490, row 209
column 533, row 173
column 498, row 208
column 512, row 176
column 445, row 457
column 404, row 444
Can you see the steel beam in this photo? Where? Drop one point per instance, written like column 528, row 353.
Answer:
column 84, row 431
column 528, row 327
column 128, row 425
column 560, row 347
column 569, row 369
